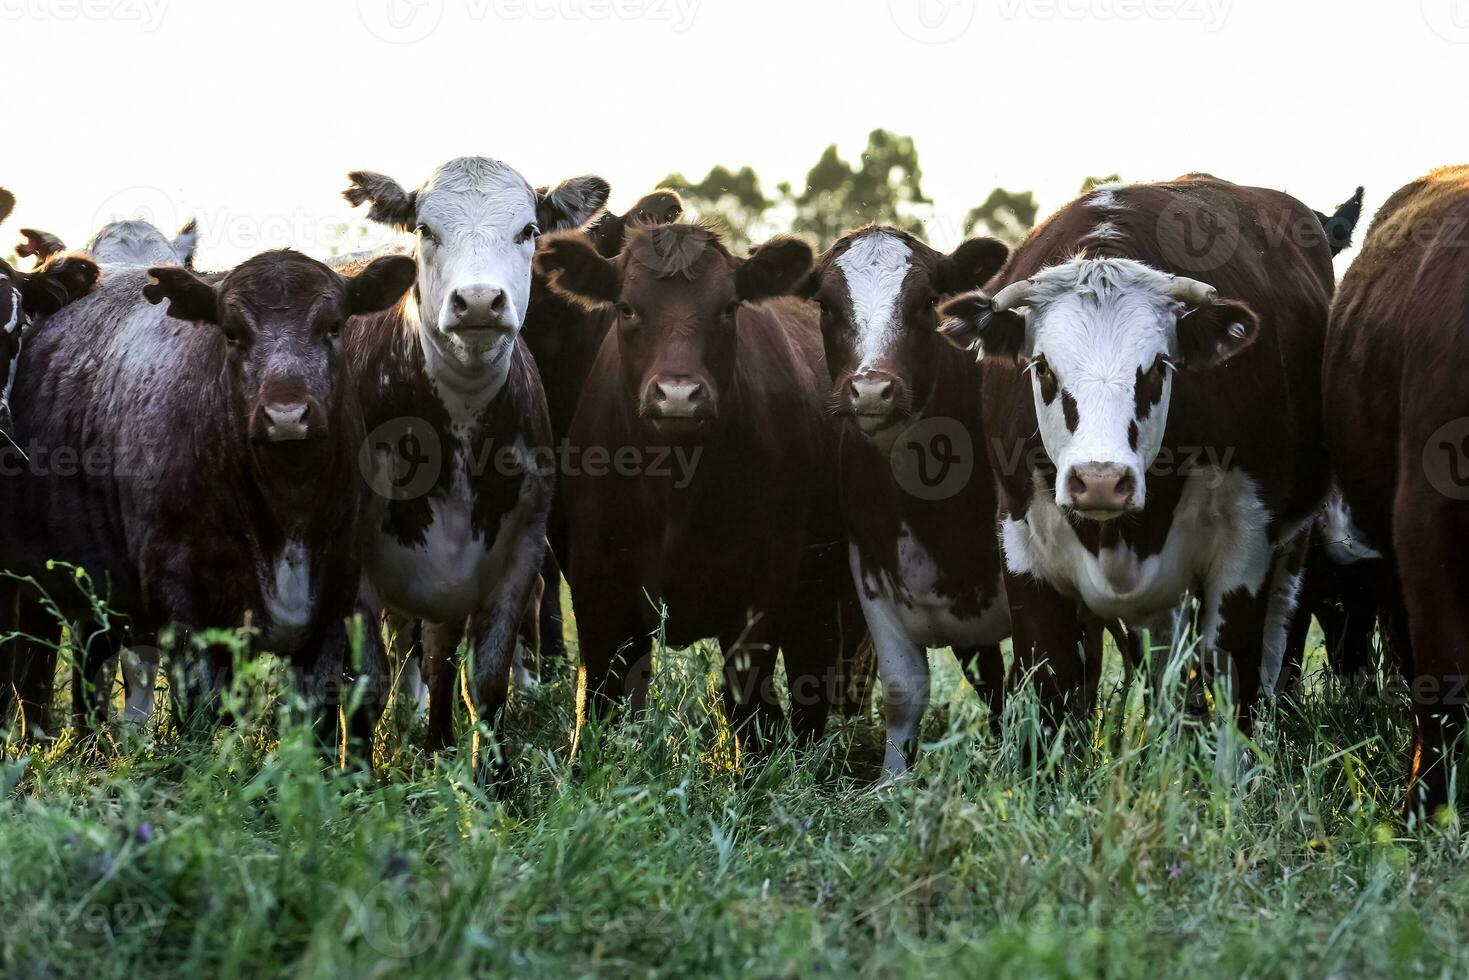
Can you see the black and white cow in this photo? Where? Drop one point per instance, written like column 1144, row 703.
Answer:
column 459, row 447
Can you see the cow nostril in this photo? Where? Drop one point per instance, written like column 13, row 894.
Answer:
column 886, row 391
column 459, row 303
column 1125, row 486
column 1076, row 485
column 497, row 305
column 696, row 392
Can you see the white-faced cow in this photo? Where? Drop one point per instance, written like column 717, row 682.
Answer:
column 925, row 559
column 460, row 443
column 121, row 243
column 704, row 474
column 1395, row 407
column 192, row 443
column 1151, row 395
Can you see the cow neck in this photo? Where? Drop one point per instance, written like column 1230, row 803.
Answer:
column 466, row 385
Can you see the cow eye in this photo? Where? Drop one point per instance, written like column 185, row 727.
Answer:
column 1042, row 370
column 626, row 311
column 232, row 336
column 335, row 330
column 426, row 233
column 529, row 233
column 732, row 307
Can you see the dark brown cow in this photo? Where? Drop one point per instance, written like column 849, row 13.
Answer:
column 703, row 472
column 27, row 295
column 1151, row 379
column 564, row 337
column 923, row 550
column 199, row 463
column 1396, row 409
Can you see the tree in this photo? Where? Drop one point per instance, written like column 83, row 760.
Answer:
column 732, row 199
column 1005, row 215
column 884, row 188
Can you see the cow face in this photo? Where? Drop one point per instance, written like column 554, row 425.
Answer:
column 281, row 316
column 477, row 221
column 677, row 293
column 878, row 288
column 1102, row 341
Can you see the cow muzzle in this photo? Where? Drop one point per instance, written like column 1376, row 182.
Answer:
column 872, row 400
column 678, row 406
column 1100, row 491
column 288, row 421
column 479, row 312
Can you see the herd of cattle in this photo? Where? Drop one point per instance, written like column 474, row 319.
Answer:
column 1165, row 422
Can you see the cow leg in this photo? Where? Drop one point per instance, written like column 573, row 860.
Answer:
column 403, row 650
column 1428, row 531
column 196, row 681
column 527, row 669
column 985, row 667
column 553, row 636
column 366, row 683
column 31, row 674
column 811, row 641
column 1232, row 625
column 1286, row 573
column 441, row 671
column 140, row 683
column 612, row 641
column 96, row 651
column 1048, row 648
column 902, row 667
column 750, row 701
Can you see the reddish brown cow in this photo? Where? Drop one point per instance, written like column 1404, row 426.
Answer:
column 703, row 472
column 917, row 494
column 1396, row 412
column 200, row 464
column 1151, row 380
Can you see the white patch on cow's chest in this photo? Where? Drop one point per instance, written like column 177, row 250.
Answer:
column 874, row 268
column 290, row 601
column 914, row 605
column 1217, row 536
column 454, row 571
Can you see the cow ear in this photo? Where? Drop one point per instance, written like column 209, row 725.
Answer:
column 608, row 234
column 576, row 270
column 7, row 203
column 185, row 242
column 777, row 268
column 40, row 244
column 571, row 203
column 970, row 266
column 970, row 322
column 1215, row 332
column 62, row 279
column 391, row 204
column 381, row 284
column 189, row 297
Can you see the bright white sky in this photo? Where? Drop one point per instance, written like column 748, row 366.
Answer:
column 249, row 114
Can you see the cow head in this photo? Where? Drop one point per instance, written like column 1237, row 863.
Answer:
column 658, row 208
column 477, row 221
column 281, row 316
column 24, row 295
column 1101, row 341
column 133, row 243
column 677, row 292
column 878, row 288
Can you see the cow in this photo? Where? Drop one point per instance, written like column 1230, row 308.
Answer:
column 120, row 243
column 1151, row 386
column 925, row 558
column 460, row 453
column 563, row 337
column 192, row 445
column 1395, row 410
column 700, row 473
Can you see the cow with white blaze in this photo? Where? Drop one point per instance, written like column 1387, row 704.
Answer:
column 459, row 439
column 1154, row 408
column 926, row 567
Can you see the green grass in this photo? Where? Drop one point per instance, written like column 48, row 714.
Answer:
column 1135, row 855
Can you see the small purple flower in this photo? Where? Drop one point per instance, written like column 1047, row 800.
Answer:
column 1176, row 871
column 145, row 833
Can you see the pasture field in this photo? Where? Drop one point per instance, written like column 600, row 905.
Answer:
column 1135, row 855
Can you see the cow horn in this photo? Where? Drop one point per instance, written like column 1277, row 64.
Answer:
column 1191, row 291
column 1012, row 296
